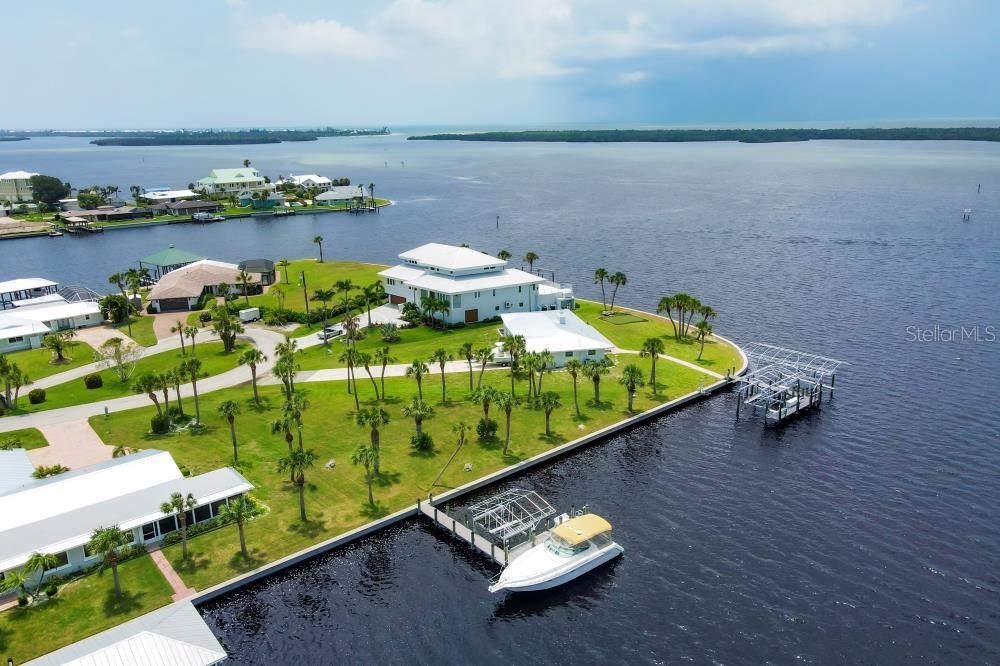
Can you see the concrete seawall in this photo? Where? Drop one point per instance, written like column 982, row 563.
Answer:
column 411, row 511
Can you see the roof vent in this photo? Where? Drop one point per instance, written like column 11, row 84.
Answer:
column 562, row 317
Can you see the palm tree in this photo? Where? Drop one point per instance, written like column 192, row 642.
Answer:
column 165, row 381
column 600, row 275
column 246, row 163
column 667, row 304
column 149, row 384
column 651, row 349
column 191, row 332
column 618, row 280
column 530, row 364
column 418, row 410
column 179, row 504
column 105, row 541
column 239, row 510
column 252, row 357
column 371, row 294
column 574, row 368
column 324, row 296
column 176, row 377
column 543, row 361
column 364, row 359
column 245, row 279
column 293, row 408
column 118, row 279
column 549, row 402
column 631, row 379
column 704, row 330
column 503, row 255
column 350, row 357
column 368, row 457
column 531, row 258
column 462, row 429
column 371, row 192
column 506, row 402
column 192, row 367
column 514, row 346
column 373, row 418
column 469, row 353
column 485, row 396
column 178, row 327
column 383, row 357
column 319, row 241
column 37, row 565
column 483, row 355
column 345, row 286
column 441, row 357
column 58, row 342
column 284, row 264
column 230, row 409
column 594, row 370
column 417, row 370
column 15, row 580
column 297, row 462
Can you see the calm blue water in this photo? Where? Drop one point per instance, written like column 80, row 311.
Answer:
column 868, row 532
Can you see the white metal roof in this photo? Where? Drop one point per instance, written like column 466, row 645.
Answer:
column 60, row 512
column 554, row 330
column 15, row 469
column 401, row 272
column 159, row 195
column 308, row 178
column 450, row 257
column 447, row 284
column 12, row 326
column 38, row 300
column 47, row 312
column 172, row 635
column 339, row 193
column 22, row 284
column 17, row 175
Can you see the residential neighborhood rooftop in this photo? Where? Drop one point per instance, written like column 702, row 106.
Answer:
column 17, row 175
column 450, row 257
column 447, row 284
column 171, row 256
column 16, row 467
column 23, row 284
column 189, row 281
column 554, row 330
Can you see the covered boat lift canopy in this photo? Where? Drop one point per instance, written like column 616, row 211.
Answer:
column 784, row 381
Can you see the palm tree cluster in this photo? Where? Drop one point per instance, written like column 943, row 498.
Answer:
column 686, row 307
column 434, row 309
column 616, row 280
column 13, row 380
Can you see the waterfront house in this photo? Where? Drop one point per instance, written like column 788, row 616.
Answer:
column 307, row 181
column 15, row 186
column 475, row 285
column 166, row 260
column 105, row 214
column 337, row 195
column 182, row 288
column 233, row 181
column 58, row 514
column 61, row 315
column 24, row 288
column 17, row 333
column 273, row 200
column 164, row 195
column 192, row 207
column 560, row 332
column 264, row 268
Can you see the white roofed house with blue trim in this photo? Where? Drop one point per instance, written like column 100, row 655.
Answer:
column 559, row 332
column 58, row 514
column 476, row 286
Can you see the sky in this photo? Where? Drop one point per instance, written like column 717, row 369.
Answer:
column 238, row 63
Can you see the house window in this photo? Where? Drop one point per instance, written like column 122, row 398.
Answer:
column 591, row 352
column 203, row 512
column 61, row 560
column 519, row 289
column 456, row 301
column 498, row 308
column 167, row 525
column 148, row 531
column 19, row 338
column 569, row 354
column 521, row 304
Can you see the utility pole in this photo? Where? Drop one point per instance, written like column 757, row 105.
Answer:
column 305, row 296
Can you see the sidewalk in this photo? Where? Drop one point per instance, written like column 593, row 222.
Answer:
column 181, row 591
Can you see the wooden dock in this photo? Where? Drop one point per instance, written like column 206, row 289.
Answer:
column 463, row 532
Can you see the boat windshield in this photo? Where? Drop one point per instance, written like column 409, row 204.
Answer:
column 557, row 546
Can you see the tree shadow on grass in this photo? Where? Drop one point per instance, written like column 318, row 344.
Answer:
column 114, row 605
column 312, row 528
column 195, row 562
column 6, row 633
column 603, row 405
column 385, row 479
column 374, row 511
column 264, row 406
column 423, row 453
column 553, row 439
column 392, row 400
column 491, row 444
column 243, row 564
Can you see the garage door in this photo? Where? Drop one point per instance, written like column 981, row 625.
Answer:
column 396, row 300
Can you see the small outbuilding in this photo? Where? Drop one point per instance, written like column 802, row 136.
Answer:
column 262, row 267
column 560, row 332
column 170, row 259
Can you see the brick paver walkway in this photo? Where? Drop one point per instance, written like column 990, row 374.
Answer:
column 181, row 591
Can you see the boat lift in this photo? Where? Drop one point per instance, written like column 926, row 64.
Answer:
column 783, row 382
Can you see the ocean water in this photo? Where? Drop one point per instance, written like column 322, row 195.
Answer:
column 866, row 532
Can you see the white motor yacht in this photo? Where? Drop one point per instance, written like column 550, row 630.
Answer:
column 573, row 548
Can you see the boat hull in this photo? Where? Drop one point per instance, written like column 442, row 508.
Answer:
column 605, row 555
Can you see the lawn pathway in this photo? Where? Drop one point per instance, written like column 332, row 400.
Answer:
column 181, row 591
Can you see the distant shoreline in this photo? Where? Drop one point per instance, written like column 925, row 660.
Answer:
column 195, row 137
column 738, row 135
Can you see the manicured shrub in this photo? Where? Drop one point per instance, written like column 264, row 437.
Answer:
column 205, row 317
column 160, row 425
column 51, row 590
column 423, row 442
column 36, row 396
column 486, row 429
column 22, row 600
column 93, row 381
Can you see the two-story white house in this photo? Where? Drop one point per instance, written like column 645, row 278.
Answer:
column 308, row 181
column 15, row 186
column 233, row 181
column 476, row 285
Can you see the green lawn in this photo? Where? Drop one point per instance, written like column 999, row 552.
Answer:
column 28, row 438
column 336, row 499
column 414, row 343
column 142, row 330
column 318, row 276
column 213, row 359
column 718, row 355
column 36, row 362
column 82, row 608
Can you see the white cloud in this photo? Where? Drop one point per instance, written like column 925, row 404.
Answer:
column 631, row 78
column 530, row 39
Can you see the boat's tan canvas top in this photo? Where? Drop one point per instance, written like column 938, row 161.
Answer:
column 577, row 530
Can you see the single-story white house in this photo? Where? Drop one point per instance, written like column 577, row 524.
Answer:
column 17, row 333
column 307, row 181
column 475, row 285
column 181, row 288
column 559, row 332
column 168, row 196
column 175, row 635
column 57, row 514
column 16, row 469
column 338, row 194
column 63, row 316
